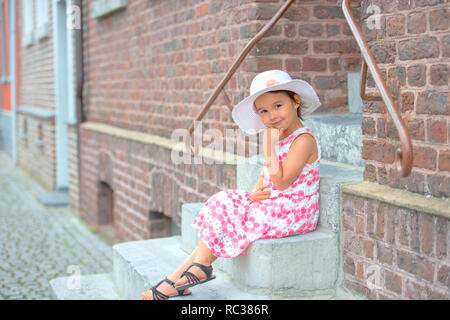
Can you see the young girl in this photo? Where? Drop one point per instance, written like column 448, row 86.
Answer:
column 284, row 201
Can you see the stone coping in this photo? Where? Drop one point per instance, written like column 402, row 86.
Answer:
column 218, row 156
column 400, row 198
column 102, row 8
column 37, row 112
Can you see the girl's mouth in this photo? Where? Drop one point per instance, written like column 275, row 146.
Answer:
column 276, row 123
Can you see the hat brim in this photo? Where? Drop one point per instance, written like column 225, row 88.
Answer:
column 248, row 119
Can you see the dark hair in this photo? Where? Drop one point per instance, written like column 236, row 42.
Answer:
column 291, row 95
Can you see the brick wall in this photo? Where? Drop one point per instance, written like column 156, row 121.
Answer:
column 38, row 90
column 73, row 167
column 36, row 148
column 411, row 48
column 389, row 251
column 143, row 180
column 151, row 66
column 394, row 253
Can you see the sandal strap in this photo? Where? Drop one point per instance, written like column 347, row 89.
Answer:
column 192, row 278
column 158, row 295
column 207, row 270
column 169, row 282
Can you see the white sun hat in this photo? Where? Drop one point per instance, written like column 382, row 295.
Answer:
column 244, row 113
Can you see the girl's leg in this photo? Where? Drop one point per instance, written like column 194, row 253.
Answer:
column 164, row 287
column 203, row 256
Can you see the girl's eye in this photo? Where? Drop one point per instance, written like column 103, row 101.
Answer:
column 278, row 106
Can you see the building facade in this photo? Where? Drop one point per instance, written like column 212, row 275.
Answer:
column 149, row 67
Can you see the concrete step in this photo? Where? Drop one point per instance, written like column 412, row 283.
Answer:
column 88, row 287
column 138, row 265
column 332, row 175
column 339, row 135
column 141, row 264
column 313, row 258
column 309, row 262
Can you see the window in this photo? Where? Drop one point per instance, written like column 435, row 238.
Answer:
column 28, row 22
column 42, row 19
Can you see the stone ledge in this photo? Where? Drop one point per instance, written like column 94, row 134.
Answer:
column 146, row 138
column 101, row 8
column 399, row 198
column 37, row 112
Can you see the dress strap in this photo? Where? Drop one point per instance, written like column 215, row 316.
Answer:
column 296, row 133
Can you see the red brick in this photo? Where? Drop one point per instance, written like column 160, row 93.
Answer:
column 314, row 64
column 439, row 74
column 439, row 185
column 439, row 19
column 385, row 52
column 404, row 4
column 360, row 274
column 378, row 150
column 369, row 248
column 381, row 128
column 201, row 10
column 443, row 275
column 310, row 30
column 424, row 3
column 417, row 75
column 333, row 30
column 424, row 157
column 393, row 282
column 395, row 25
column 328, row 12
column 416, row 22
column 292, row 65
column 360, row 224
column 334, row 46
column 349, row 265
column 290, row 30
column 407, row 103
column 385, row 254
column 432, row 102
column 269, row 46
column 418, row 48
column 445, row 40
column 444, row 160
column 368, row 126
column 350, row 64
column 426, row 233
column 370, row 173
column 415, row 265
column 348, row 215
column 437, row 131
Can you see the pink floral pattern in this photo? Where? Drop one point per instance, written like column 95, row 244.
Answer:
column 230, row 220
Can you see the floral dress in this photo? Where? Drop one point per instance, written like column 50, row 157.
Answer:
column 230, row 220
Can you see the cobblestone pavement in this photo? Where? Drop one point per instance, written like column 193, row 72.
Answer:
column 39, row 243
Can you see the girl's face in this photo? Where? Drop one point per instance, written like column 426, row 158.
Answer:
column 278, row 110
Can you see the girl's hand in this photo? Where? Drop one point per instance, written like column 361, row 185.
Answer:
column 272, row 136
column 259, row 194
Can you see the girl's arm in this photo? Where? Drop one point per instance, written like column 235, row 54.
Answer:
column 283, row 175
column 259, row 182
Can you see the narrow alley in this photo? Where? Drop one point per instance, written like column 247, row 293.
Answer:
column 39, row 243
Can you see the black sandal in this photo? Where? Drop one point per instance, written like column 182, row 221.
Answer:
column 193, row 280
column 158, row 295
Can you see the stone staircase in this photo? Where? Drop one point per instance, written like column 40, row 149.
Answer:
column 307, row 266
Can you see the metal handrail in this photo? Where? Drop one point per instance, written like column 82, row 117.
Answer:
column 232, row 70
column 403, row 155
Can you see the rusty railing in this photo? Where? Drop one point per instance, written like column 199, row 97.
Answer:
column 232, row 70
column 403, row 155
